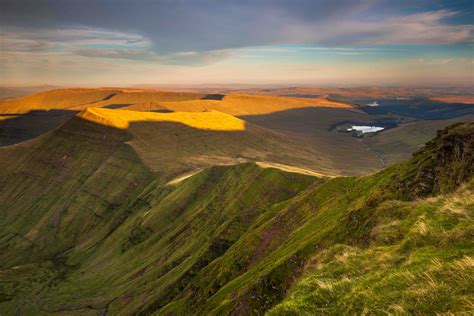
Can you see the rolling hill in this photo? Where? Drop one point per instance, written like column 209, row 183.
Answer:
column 76, row 99
column 241, row 104
column 30, row 116
column 122, row 119
column 79, row 98
column 180, row 142
column 55, row 107
column 89, row 228
column 11, row 92
column 308, row 122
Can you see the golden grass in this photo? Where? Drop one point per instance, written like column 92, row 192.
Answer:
column 181, row 178
column 344, row 256
column 80, row 98
column 292, row 169
column 421, row 227
column 464, row 263
column 146, row 100
column 241, row 104
column 457, row 203
column 212, row 120
column 54, row 99
column 261, row 164
column 9, row 117
column 130, row 97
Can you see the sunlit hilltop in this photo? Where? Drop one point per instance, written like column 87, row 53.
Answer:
column 210, row 120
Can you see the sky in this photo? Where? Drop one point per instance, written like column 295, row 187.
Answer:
column 277, row 42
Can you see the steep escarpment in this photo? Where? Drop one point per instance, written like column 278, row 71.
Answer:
column 242, row 239
column 67, row 188
column 441, row 166
column 171, row 234
column 452, row 160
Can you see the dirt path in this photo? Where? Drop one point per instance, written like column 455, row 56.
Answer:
column 292, row 169
column 183, row 177
column 261, row 164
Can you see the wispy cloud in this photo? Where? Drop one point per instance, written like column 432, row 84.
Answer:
column 208, row 25
column 435, row 61
column 206, row 33
column 415, row 29
column 117, row 53
column 22, row 40
column 421, row 28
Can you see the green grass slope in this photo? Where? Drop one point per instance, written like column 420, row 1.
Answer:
column 170, row 233
column 235, row 239
column 66, row 188
column 419, row 261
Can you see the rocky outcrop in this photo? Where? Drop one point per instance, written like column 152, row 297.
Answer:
column 442, row 165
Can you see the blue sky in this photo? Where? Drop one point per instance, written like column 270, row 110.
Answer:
column 124, row 42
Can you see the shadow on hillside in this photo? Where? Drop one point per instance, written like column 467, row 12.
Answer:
column 310, row 126
column 317, row 126
column 108, row 97
column 213, row 97
column 116, row 106
column 420, row 109
column 306, row 121
column 162, row 111
column 304, row 96
column 17, row 128
column 175, row 148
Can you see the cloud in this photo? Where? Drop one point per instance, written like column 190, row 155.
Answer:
column 205, row 25
column 180, row 58
column 197, row 58
column 73, row 36
column 85, row 41
column 99, row 43
column 114, row 39
column 82, row 40
column 422, row 28
column 133, row 54
column 18, row 45
column 415, row 29
column 435, row 61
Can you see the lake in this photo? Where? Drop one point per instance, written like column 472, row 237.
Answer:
column 365, row 129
